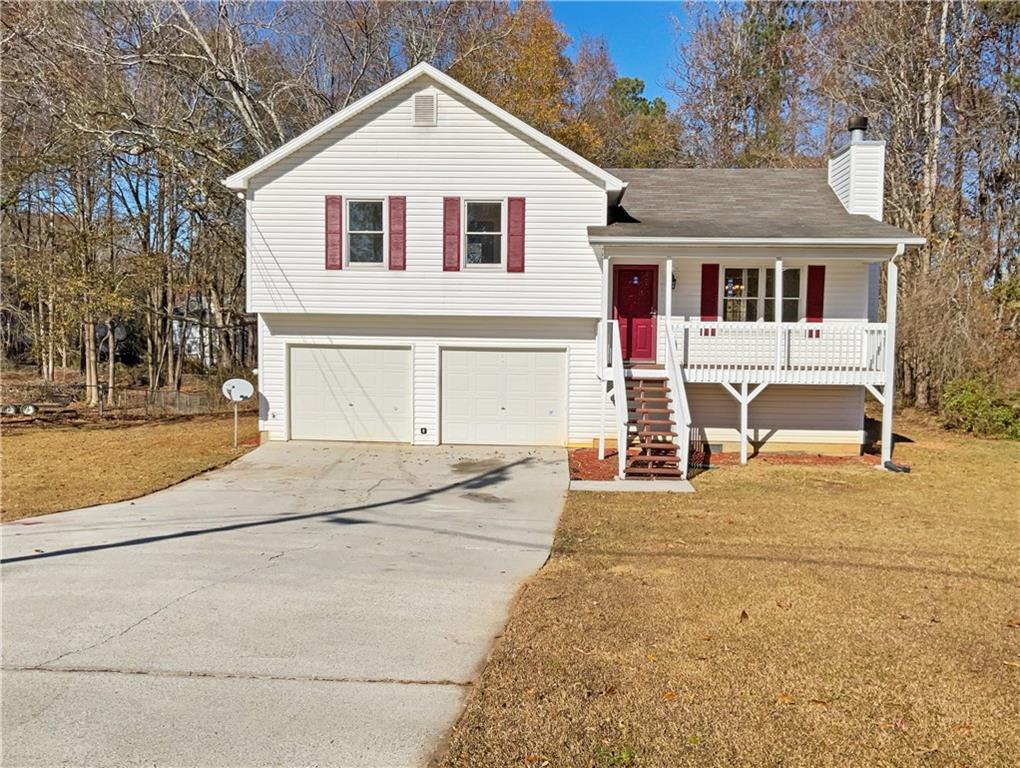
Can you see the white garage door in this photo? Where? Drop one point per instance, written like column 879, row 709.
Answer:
column 350, row 393
column 504, row 397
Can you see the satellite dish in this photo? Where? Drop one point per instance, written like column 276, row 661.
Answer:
column 237, row 390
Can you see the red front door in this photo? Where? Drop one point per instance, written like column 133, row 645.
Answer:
column 635, row 294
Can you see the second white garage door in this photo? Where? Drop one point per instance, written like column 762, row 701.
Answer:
column 350, row 393
column 504, row 397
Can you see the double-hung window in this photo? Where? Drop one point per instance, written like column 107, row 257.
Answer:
column 365, row 232
column 740, row 295
column 791, row 295
column 483, row 233
column 749, row 295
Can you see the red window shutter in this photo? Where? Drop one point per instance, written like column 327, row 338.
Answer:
column 815, row 294
column 709, row 291
column 334, row 232
column 398, row 232
column 451, row 234
column 515, row 234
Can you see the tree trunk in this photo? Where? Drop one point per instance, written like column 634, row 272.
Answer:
column 111, row 353
column 91, row 364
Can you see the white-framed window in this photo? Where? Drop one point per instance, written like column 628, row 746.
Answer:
column 740, row 294
column 791, row 295
column 748, row 294
column 484, row 238
column 366, row 232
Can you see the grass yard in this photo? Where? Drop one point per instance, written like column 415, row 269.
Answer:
column 50, row 469
column 780, row 616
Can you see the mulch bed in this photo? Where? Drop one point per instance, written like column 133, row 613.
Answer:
column 585, row 463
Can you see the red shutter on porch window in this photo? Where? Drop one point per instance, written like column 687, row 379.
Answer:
column 815, row 294
column 710, row 292
column 334, row 232
column 451, row 234
column 515, row 234
column 398, row 232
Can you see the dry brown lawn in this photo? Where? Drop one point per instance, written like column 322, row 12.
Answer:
column 780, row 616
column 50, row 469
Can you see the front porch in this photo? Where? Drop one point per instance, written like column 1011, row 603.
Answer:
column 794, row 341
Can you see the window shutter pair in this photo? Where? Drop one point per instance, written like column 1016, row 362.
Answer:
column 335, row 232
column 710, row 293
column 514, row 234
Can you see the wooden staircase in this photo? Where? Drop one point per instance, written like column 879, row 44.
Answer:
column 652, row 445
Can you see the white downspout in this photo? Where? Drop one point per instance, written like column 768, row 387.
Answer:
column 602, row 338
column 888, row 391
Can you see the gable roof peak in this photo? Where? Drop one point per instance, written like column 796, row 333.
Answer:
column 239, row 180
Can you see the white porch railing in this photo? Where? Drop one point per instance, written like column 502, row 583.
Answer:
column 787, row 353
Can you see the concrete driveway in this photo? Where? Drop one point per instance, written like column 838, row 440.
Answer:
column 311, row 604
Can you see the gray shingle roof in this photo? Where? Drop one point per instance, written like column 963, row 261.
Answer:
column 758, row 203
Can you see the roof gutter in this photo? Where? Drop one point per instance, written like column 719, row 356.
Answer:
column 754, row 241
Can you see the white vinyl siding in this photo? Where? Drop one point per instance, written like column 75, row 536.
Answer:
column 379, row 153
column 780, row 414
column 426, row 338
column 350, row 393
column 504, row 397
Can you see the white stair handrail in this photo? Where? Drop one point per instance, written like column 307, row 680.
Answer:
column 682, row 410
column 619, row 398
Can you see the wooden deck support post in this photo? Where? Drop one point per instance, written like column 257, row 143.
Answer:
column 744, row 398
column 743, row 422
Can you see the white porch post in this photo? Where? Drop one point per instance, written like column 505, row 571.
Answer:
column 669, row 288
column 892, row 273
column 777, row 310
column 669, row 303
column 604, row 298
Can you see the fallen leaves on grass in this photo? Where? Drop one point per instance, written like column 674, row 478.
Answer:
column 867, row 687
column 137, row 459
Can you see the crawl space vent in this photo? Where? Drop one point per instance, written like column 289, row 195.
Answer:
column 424, row 109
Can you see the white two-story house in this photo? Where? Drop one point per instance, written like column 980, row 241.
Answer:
column 428, row 269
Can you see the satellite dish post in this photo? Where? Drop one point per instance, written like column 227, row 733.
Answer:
column 236, row 391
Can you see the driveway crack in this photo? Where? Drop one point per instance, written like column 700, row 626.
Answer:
column 240, row 675
column 159, row 610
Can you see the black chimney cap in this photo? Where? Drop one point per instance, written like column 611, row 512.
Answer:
column 858, row 123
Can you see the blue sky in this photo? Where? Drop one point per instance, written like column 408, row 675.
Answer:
column 640, row 35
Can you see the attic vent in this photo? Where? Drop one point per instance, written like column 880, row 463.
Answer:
column 424, row 109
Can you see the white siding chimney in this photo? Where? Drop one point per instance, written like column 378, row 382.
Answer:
column 857, row 172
